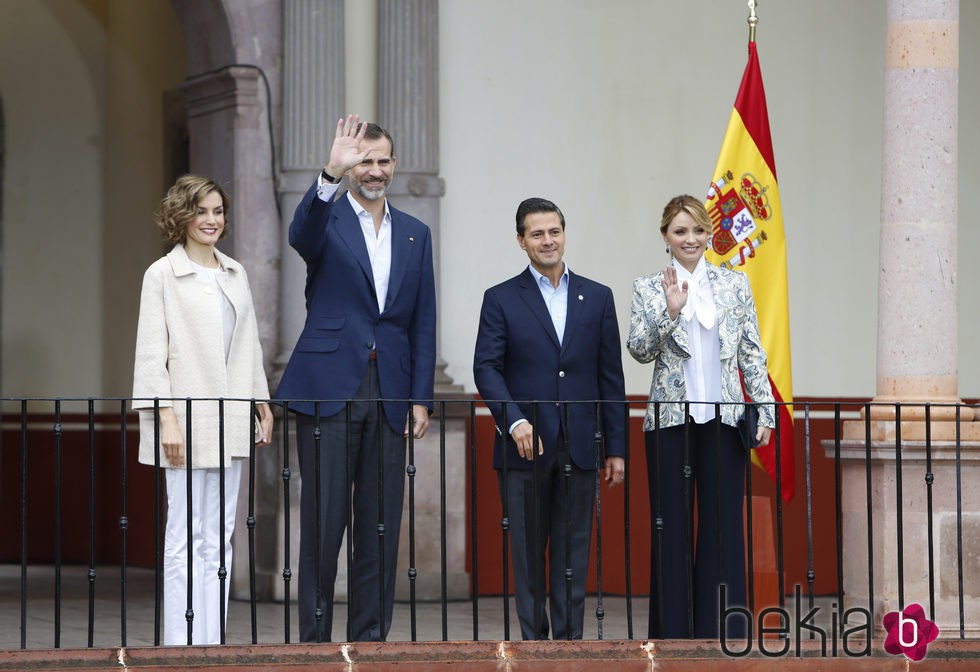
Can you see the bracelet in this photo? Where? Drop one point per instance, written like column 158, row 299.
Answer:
column 328, row 177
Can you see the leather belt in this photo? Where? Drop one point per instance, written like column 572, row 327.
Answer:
column 374, row 355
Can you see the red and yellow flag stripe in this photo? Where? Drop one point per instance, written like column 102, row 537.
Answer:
column 744, row 203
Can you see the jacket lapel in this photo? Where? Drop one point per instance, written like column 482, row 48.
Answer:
column 179, row 261
column 349, row 229
column 726, row 311
column 714, row 280
column 531, row 296
column 181, row 265
column 576, row 303
column 401, row 252
column 236, row 299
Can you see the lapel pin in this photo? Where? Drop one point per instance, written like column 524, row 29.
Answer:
column 581, row 298
column 411, row 239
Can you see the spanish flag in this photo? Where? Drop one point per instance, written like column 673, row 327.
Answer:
column 743, row 200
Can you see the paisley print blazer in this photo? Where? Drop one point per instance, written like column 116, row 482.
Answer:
column 654, row 337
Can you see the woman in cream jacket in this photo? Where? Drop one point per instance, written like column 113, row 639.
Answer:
column 197, row 338
column 696, row 322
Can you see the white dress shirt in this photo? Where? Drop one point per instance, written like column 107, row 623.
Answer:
column 702, row 372
column 378, row 243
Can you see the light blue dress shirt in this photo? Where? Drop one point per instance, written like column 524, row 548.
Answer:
column 555, row 298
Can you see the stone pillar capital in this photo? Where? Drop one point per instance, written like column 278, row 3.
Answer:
column 234, row 87
column 417, row 184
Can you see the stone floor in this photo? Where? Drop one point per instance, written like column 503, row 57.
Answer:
column 270, row 616
column 461, row 653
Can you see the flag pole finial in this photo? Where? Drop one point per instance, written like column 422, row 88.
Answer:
column 753, row 20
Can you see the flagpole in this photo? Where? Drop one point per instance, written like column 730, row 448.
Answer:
column 753, row 20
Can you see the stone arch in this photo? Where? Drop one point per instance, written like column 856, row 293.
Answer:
column 207, row 34
column 60, row 128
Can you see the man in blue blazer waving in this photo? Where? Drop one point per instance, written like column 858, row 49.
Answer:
column 370, row 334
column 550, row 336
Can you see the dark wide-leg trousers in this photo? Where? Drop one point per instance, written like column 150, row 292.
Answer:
column 547, row 519
column 685, row 574
column 350, row 485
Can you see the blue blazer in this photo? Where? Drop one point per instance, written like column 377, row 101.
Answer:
column 518, row 359
column 342, row 317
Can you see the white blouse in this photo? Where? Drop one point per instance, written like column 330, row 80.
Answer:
column 209, row 276
column 702, row 371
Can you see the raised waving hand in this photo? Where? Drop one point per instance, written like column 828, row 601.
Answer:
column 346, row 151
column 675, row 293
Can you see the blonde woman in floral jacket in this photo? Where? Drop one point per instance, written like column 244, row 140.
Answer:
column 697, row 323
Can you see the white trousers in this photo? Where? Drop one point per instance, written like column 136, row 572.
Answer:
column 206, row 536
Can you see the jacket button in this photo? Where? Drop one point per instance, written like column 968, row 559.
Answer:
column 369, row 345
column 561, row 374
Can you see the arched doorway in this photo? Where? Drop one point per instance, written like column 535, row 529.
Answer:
column 82, row 173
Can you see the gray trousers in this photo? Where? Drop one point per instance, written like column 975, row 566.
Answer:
column 544, row 517
column 352, row 484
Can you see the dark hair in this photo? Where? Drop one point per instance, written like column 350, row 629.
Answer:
column 529, row 206
column 179, row 207
column 373, row 132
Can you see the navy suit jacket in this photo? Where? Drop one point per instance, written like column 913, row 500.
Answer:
column 342, row 317
column 518, row 359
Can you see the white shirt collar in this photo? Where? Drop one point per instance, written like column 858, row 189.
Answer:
column 700, row 299
column 378, row 244
column 360, row 211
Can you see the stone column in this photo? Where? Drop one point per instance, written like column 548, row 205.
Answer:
column 917, row 278
column 917, row 349
column 313, row 100
column 408, row 107
column 230, row 144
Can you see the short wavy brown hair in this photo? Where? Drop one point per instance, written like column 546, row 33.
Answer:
column 685, row 203
column 179, row 207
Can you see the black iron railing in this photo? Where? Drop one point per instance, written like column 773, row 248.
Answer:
column 877, row 524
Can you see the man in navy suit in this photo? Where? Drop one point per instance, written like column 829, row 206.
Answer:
column 551, row 336
column 370, row 334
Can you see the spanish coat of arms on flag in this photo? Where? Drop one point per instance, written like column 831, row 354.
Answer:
column 747, row 235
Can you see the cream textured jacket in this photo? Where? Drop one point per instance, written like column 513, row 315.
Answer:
column 654, row 337
column 180, row 353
